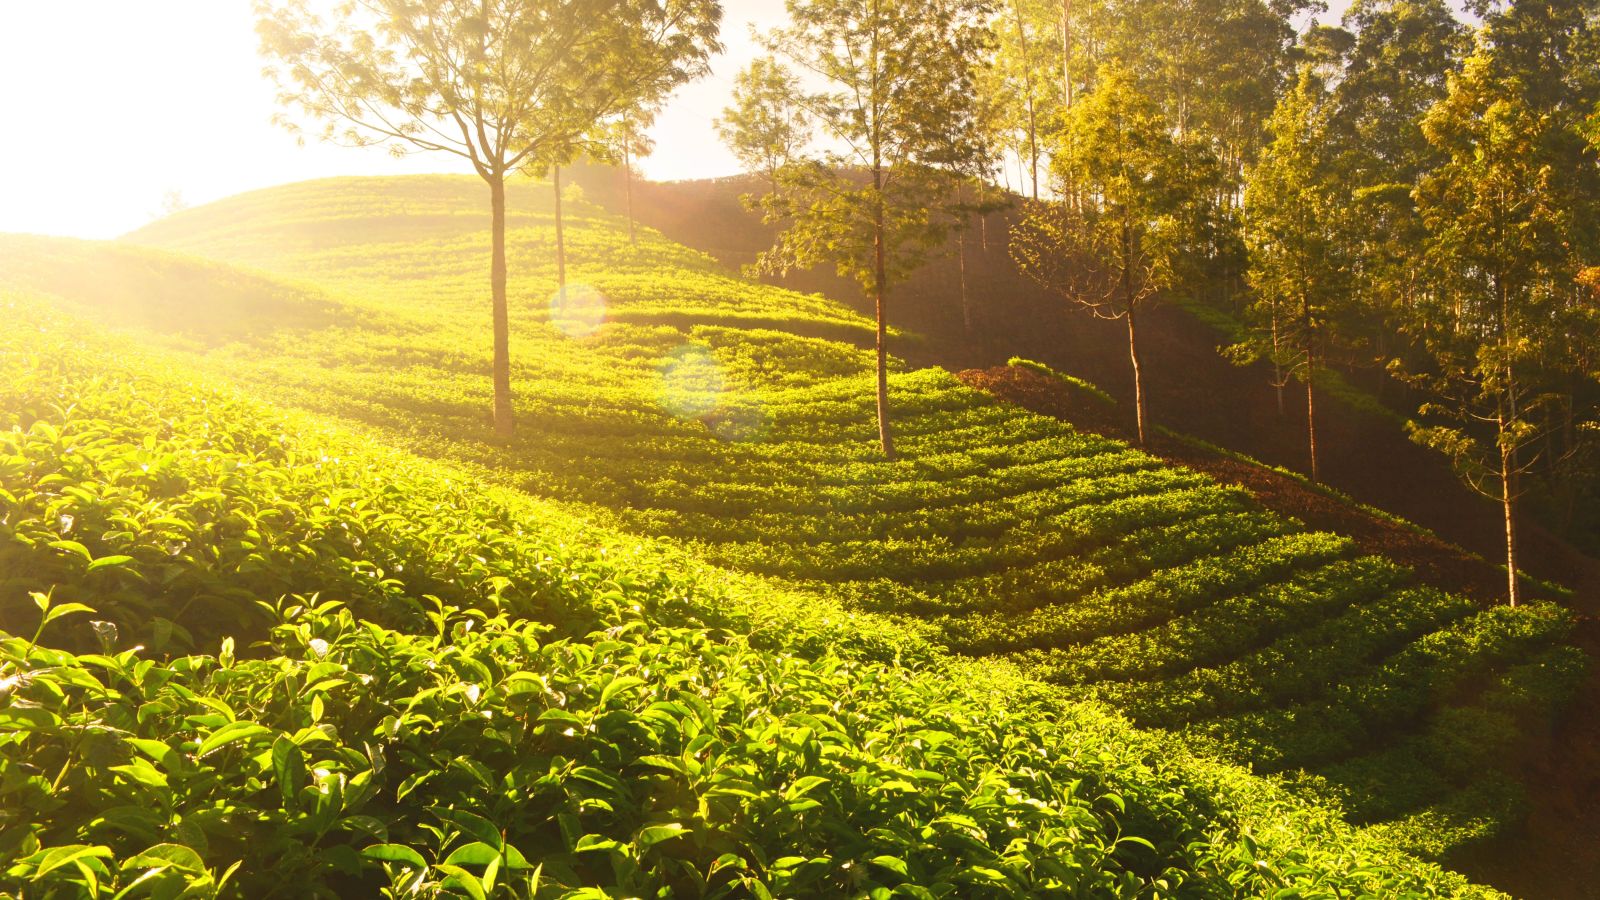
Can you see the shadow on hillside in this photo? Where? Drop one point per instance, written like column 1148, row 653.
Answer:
column 1192, row 390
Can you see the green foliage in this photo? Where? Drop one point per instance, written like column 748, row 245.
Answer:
column 1508, row 219
column 1298, row 235
column 896, row 108
column 1295, row 233
column 496, row 84
column 1129, row 195
column 530, row 705
column 1008, row 535
column 1086, row 387
column 1397, row 67
column 485, row 760
column 766, row 128
column 896, row 92
column 1113, row 243
column 505, row 86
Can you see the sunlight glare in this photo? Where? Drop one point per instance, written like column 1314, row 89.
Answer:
column 691, row 382
column 578, row 310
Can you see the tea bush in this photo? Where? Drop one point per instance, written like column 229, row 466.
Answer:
column 735, row 422
column 268, row 658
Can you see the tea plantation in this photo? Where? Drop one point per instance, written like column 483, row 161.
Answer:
column 731, row 652
column 263, row 657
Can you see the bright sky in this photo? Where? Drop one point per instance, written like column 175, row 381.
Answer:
column 111, row 104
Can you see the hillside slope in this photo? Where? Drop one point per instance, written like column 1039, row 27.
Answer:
column 1004, row 534
column 440, row 688
column 1193, row 390
column 1189, row 386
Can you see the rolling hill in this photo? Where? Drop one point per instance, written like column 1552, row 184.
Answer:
column 667, row 400
column 437, row 687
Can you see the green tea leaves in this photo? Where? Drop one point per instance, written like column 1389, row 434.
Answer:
column 231, row 733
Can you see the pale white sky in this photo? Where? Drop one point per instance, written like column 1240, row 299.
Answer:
column 109, row 104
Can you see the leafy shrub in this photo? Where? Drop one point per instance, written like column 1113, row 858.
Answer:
column 999, row 534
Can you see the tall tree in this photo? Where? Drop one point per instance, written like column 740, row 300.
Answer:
column 610, row 142
column 1110, row 245
column 1214, row 67
column 629, row 140
column 1018, row 83
column 548, row 165
column 898, row 110
column 1398, row 66
column 1500, row 250
column 1295, row 234
column 766, row 126
column 494, row 82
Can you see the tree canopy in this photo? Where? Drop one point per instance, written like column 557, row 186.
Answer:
column 500, row 83
column 899, row 118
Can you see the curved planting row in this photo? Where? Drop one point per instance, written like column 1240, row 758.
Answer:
column 1003, row 534
column 246, row 654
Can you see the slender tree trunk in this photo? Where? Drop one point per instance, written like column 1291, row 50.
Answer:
column 880, row 268
column 1027, row 82
column 1277, row 367
column 1309, row 335
column 880, row 288
column 1070, row 190
column 1033, row 152
column 1066, row 53
column 1568, row 448
column 961, row 265
column 983, row 216
column 504, row 422
column 561, row 240
column 627, row 182
column 1138, row 377
column 1508, row 502
column 1505, row 414
column 1311, row 415
column 1133, row 340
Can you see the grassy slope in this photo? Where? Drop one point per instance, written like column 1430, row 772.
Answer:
column 531, row 689
column 1088, row 563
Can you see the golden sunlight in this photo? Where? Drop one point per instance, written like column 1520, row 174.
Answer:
column 157, row 105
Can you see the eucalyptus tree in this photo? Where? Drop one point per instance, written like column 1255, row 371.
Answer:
column 898, row 116
column 1505, row 331
column 497, row 83
column 1110, row 243
column 1504, row 253
column 612, row 141
column 1295, row 231
column 1214, row 67
column 1020, row 84
column 548, row 164
column 1401, row 57
column 1398, row 66
column 765, row 126
column 628, row 139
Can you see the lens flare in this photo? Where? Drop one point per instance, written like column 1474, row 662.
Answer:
column 578, row 310
column 693, row 387
column 691, row 382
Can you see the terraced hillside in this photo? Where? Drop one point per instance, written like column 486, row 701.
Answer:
column 434, row 687
column 736, row 420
